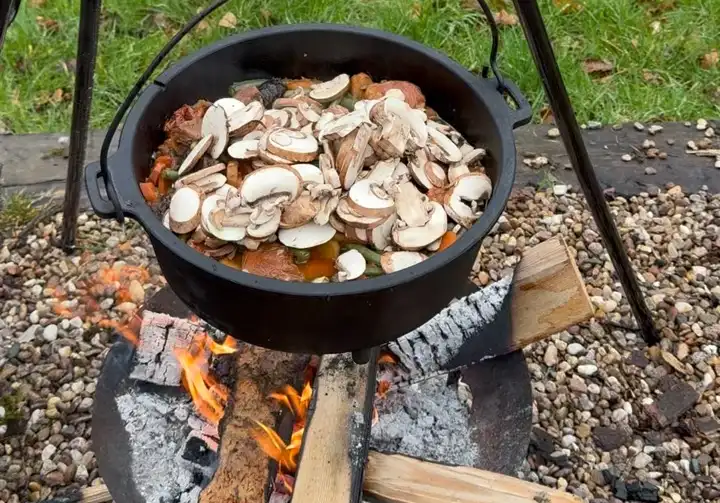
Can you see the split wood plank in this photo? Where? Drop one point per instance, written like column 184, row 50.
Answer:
column 243, row 471
column 92, row 494
column 337, row 435
column 399, row 479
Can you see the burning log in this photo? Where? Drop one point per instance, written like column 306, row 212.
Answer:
column 243, row 474
column 399, row 479
column 338, row 432
column 548, row 296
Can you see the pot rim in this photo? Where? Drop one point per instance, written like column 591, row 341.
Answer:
column 136, row 207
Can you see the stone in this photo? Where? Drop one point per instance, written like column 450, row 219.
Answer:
column 626, row 157
column 81, row 474
column 642, row 460
column 55, row 478
column 671, row 360
column 619, row 416
column 649, row 170
column 683, row 307
column 551, row 355
column 137, row 293
column 583, row 431
column 577, row 383
column 610, row 438
column 48, row 452
column 638, row 359
column 587, row 370
column 553, row 133
column 575, row 349
column 50, row 333
column 673, row 403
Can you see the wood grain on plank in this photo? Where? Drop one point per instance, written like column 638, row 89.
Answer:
column 399, row 479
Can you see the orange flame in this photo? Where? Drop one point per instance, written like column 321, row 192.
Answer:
column 382, row 388
column 228, row 347
column 297, row 403
column 375, row 417
column 274, row 446
column 386, row 358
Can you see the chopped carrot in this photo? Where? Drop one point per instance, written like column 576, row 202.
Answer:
column 329, row 250
column 164, row 185
column 162, row 163
column 149, row 191
column 447, row 239
column 294, row 84
column 317, row 268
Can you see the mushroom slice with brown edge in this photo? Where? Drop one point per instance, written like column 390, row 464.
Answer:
column 215, row 123
column 269, row 159
column 457, row 170
column 244, row 149
column 166, row 220
column 328, row 204
column 411, row 205
column 342, row 126
column 442, row 148
column 355, row 234
column 351, row 218
column 391, row 140
column 211, row 183
column 184, row 210
column 417, row 169
column 330, row 174
column 271, row 180
column 351, row 154
column 336, row 223
column 383, row 170
column 213, row 218
column 414, row 118
column 396, row 261
column 381, row 236
column 436, row 174
column 473, row 156
column 268, row 226
column 245, row 120
column 198, row 175
column 309, row 173
column 306, row 236
column 308, row 112
column 195, row 154
column 473, row 187
column 292, row 145
column 331, row 90
column 281, row 118
column 416, row 238
column 230, row 105
column 350, row 265
column 301, row 211
column 368, row 198
column 220, row 252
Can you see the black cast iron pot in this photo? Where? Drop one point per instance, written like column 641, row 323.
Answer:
column 302, row 317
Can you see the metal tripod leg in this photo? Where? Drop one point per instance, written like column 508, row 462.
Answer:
column 82, row 101
column 541, row 47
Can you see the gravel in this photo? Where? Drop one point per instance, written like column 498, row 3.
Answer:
column 599, row 391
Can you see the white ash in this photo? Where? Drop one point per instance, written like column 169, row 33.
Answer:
column 428, row 420
column 429, row 348
column 157, row 436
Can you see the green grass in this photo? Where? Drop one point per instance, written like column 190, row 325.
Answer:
column 16, row 211
column 37, row 61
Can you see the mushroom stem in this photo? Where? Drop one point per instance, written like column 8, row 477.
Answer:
column 371, row 256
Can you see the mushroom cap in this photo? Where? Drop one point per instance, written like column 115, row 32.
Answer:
column 196, row 154
column 435, row 173
column 367, row 198
column 301, row 211
column 229, row 105
column 184, row 210
column 396, row 261
column 270, row 180
column 309, row 173
column 268, row 227
column 306, row 236
column 209, row 207
column 418, row 170
column 295, row 146
column 411, row 205
column 331, row 90
column 469, row 187
column 243, row 149
column 215, row 123
column 416, row 238
column 350, row 265
column 246, row 119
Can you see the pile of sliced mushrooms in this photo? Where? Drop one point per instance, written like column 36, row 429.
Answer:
column 303, row 163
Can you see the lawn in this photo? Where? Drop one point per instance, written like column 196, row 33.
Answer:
column 656, row 56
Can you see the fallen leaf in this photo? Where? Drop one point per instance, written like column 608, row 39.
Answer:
column 203, row 26
column 416, row 10
column 656, row 27
column 568, row 6
column 546, row 115
column 710, row 60
column 659, row 6
column 228, row 21
column 598, row 67
column 36, row 4
column 505, row 18
column 57, row 96
column 267, row 16
column 651, row 77
column 48, row 24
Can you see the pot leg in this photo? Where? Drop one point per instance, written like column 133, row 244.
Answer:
column 541, row 48
column 362, row 357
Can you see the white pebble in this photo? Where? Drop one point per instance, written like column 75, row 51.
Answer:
column 551, row 355
column 560, row 190
column 701, row 125
column 619, row 416
column 50, row 333
column 48, row 452
column 642, row 460
column 683, row 307
column 626, row 157
column 587, row 370
column 64, row 352
column 34, row 317
column 575, row 349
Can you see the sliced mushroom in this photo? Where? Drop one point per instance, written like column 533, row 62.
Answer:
column 417, row 169
column 211, row 183
column 268, row 226
column 472, row 187
column 297, row 102
column 356, row 234
column 214, row 221
column 301, row 211
column 457, row 170
column 184, row 210
column 411, row 205
column 434, row 246
column 352, row 218
column 198, row 175
column 280, row 118
column 474, row 156
column 392, row 139
column 308, row 112
column 309, row 173
column 306, row 236
column 351, row 155
column 271, row 180
column 416, row 238
column 296, row 120
column 436, row 174
column 342, row 126
column 269, row 159
column 244, row 149
column 222, row 251
column 383, row 170
column 292, row 145
column 369, row 199
column 253, row 135
column 251, row 243
column 401, row 172
column 414, row 118
column 331, row 90
column 328, row 204
column 245, row 120
column 215, row 123
column 195, row 154
column 350, row 265
column 396, row 261
column 442, row 148
column 229, row 105
column 336, row 223
column 381, row 236
column 166, row 220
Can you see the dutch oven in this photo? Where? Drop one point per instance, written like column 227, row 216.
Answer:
column 306, row 317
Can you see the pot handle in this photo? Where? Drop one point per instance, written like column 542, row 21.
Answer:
column 96, row 184
column 522, row 113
